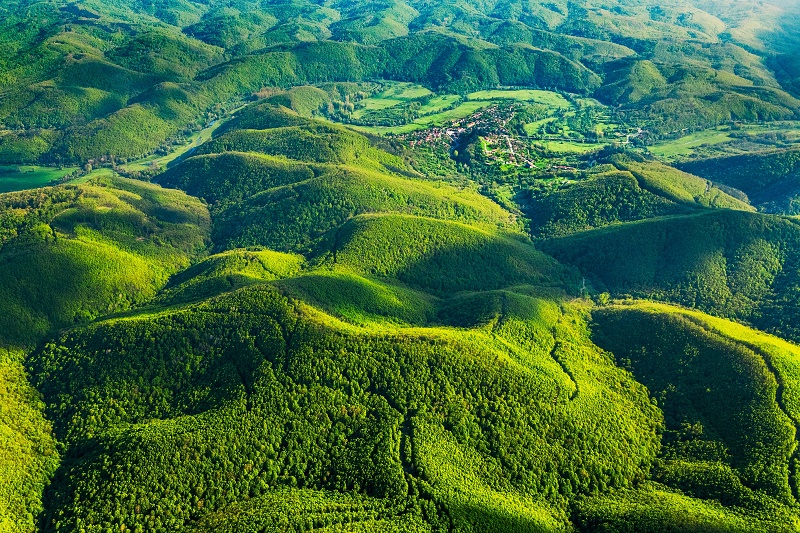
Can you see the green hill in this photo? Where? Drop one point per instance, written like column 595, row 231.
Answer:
column 71, row 254
column 631, row 81
column 625, row 189
column 232, row 177
column 600, row 200
column 299, row 327
column 314, row 142
column 770, row 178
column 262, row 116
column 704, row 449
column 382, row 441
column 678, row 186
column 228, row 271
column 295, row 216
column 441, row 257
column 728, row 263
column 416, row 429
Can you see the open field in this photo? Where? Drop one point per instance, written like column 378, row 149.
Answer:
column 686, row 146
column 163, row 161
column 438, row 103
column 19, row 178
column 462, row 111
column 569, row 147
column 376, row 104
column 388, row 130
column 435, row 112
column 436, row 119
column 405, row 91
column 396, row 94
column 548, row 98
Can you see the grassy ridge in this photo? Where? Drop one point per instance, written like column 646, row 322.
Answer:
column 314, row 142
column 679, row 186
column 295, row 216
column 441, row 256
column 229, row 271
column 233, row 177
column 361, row 300
column 607, row 198
column 263, row 116
column 630, row 190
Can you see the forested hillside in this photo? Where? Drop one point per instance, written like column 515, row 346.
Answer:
column 82, row 80
column 407, row 266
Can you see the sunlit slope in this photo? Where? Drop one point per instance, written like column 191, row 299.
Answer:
column 383, row 404
column 729, row 397
column 228, row 271
column 625, row 188
column 515, row 420
column 322, row 177
column 443, row 257
column 729, row 263
column 71, row 254
column 28, row 456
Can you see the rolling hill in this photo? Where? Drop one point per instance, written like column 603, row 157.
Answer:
column 729, row 263
column 124, row 79
column 287, row 324
column 769, row 177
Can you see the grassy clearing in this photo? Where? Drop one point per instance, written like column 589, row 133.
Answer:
column 163, row 161
column 686, row 146
column 568, row 147
column 405, row 91
column 533, row 127
column 19, row 178
column 436, row 113
column 94, row 174
column 387, row 130
column 436, row 119
column 398, row 94
column 438, row 103
column 548, row 98
column 376, row 104
column 462, row 111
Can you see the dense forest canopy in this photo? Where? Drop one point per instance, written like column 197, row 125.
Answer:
column 421, row 265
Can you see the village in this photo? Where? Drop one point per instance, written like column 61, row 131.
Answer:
column 505, row 140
